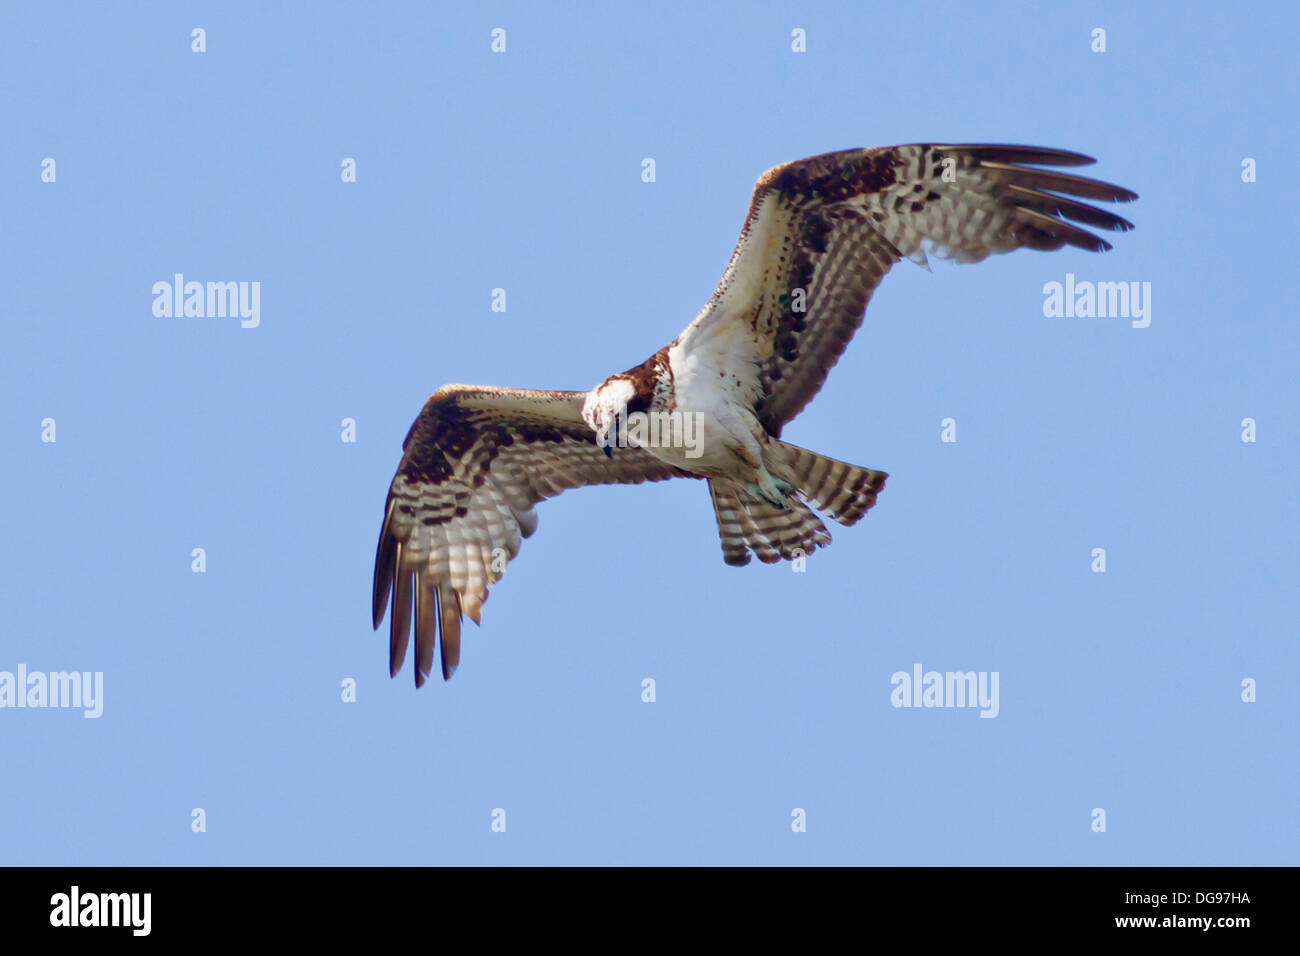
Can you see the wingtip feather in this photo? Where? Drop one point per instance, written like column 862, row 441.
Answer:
column 426, row 629
column 400, row 620
column 449, row 608
column 385, row 564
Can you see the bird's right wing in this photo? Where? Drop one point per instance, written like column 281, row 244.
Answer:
column 474, row 464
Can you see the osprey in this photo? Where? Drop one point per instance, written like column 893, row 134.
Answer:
column 820, row 235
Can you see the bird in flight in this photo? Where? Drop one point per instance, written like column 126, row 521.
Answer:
column 819, row 236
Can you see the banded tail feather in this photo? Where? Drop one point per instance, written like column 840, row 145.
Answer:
column 842, row 491
column 839, row 490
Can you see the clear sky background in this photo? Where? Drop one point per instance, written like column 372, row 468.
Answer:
column 522, row 171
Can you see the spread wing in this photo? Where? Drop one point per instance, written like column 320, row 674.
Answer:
column 822, row 232
column 474, row 464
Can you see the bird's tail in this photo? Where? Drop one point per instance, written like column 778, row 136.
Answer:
column 748, row 524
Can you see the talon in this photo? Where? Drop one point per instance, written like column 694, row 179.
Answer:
column 781, row 503
column 775, row 492
column 783, row 491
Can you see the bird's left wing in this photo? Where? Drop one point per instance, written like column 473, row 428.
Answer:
column 822, row 232
column 474, row 464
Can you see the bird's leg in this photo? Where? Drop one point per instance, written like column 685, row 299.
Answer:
column 774, row 491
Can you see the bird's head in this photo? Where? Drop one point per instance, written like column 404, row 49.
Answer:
column 605, row 410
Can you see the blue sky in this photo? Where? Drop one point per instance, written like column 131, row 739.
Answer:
column 521, row 170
